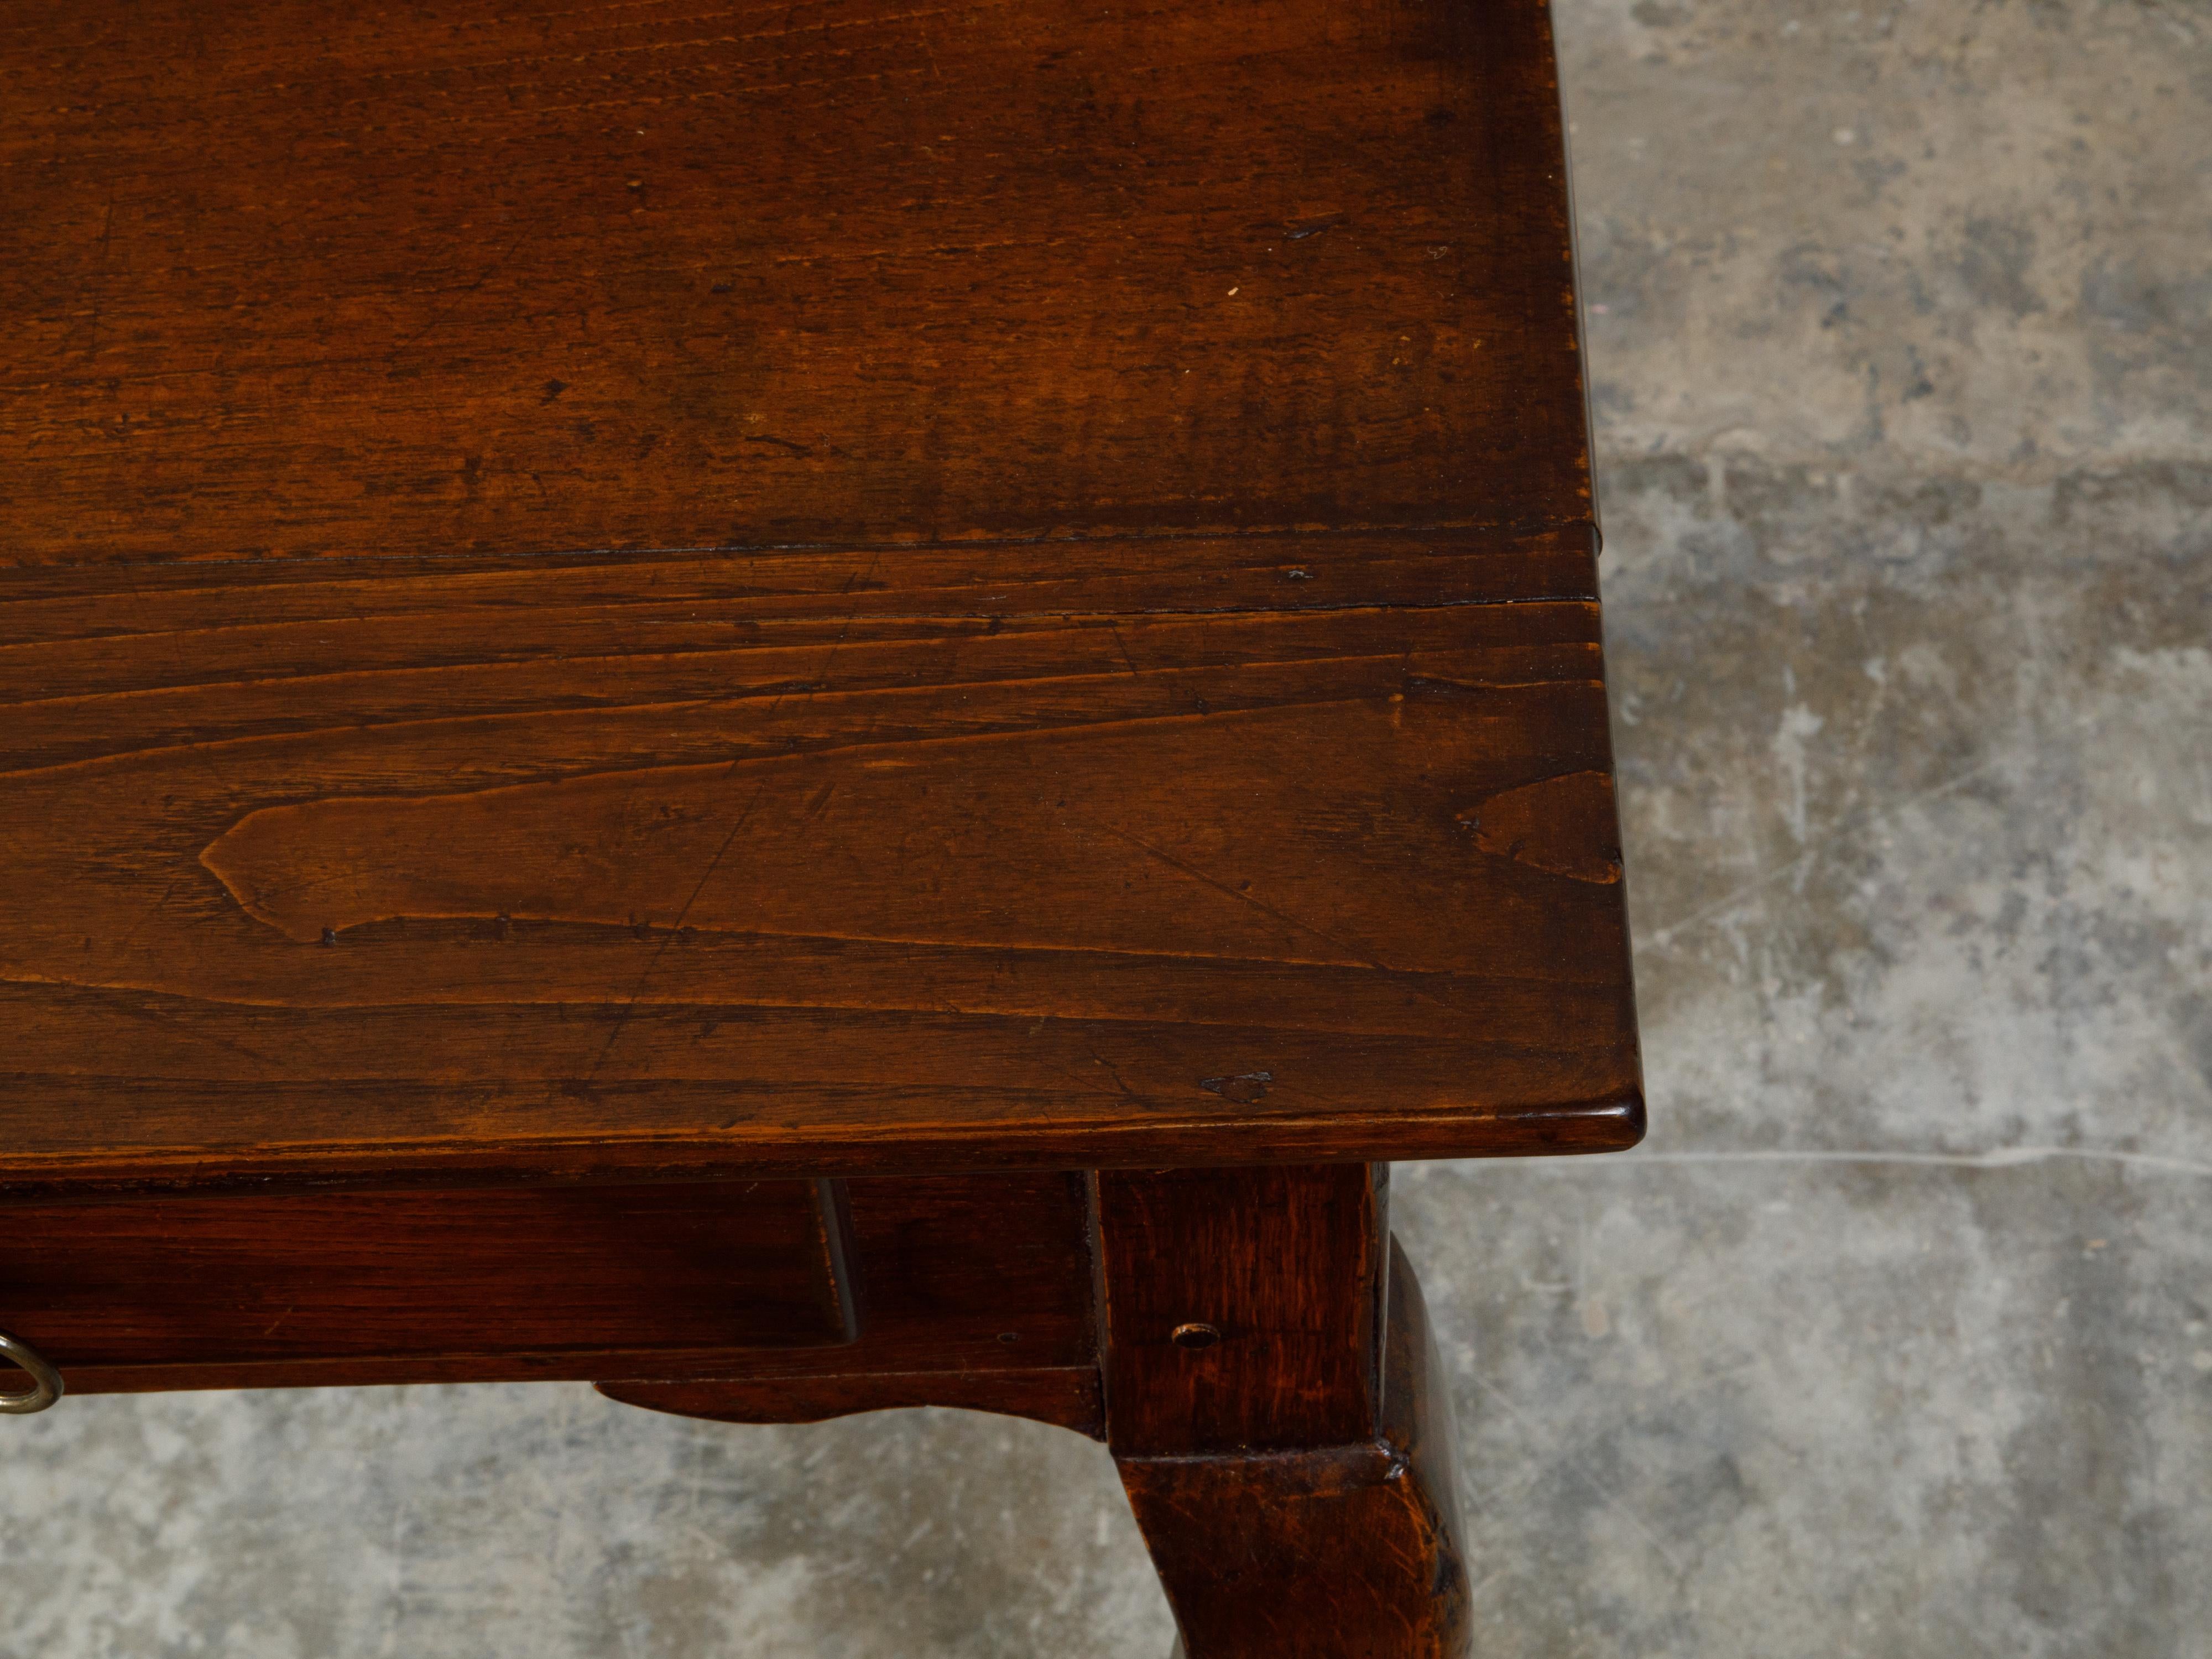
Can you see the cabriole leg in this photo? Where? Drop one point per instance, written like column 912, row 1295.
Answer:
column 1276, row 1406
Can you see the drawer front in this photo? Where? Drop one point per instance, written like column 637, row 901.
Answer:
column 424, row 1279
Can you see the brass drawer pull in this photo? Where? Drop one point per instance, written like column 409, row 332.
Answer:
column 45, row 1382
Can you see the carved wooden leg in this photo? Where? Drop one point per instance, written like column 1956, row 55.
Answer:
column 1294, row 1475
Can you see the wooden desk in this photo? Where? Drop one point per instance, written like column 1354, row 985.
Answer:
column 804, row 709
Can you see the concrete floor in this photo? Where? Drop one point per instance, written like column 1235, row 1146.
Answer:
column 1894, row 1338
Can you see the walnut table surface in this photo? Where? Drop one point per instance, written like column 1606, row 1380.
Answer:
column 805, row 709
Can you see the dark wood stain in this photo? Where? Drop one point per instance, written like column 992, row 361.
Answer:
column 1334, row 1549
column 936, row 1275
column 1286, row 1265
column 1564, row 825
column 517, row 277
column 610, row 594
column 692, row 876
column 806, row 709
column 426, row 1276
column 1067, row 1397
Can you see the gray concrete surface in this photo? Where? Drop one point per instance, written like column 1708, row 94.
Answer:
column 1894, row 1338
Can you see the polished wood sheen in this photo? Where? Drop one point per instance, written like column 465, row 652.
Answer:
column 973, row 1290
column 1274, row 1403
column 609, row 593
column 805, row 708
column 468, row 1285
column 1067, row 1397
column 295, row 278
column 1241, row 1305
column 717, row 867
column 1325, row 1550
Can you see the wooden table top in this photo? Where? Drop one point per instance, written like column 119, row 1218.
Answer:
column 650, row 590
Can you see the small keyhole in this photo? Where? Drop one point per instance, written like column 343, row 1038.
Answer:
column 1195, row 1335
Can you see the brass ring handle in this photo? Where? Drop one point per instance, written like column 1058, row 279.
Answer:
column 45, row 1382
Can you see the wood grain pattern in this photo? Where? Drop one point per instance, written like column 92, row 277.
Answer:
column 1068, row 1397
column 482, row 1276
column 1283, row 1266
column 488, row 871
column 1334, row 1550
column 286, row 279
column 951, row 1275
column 628, row 592
column 599, row 604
